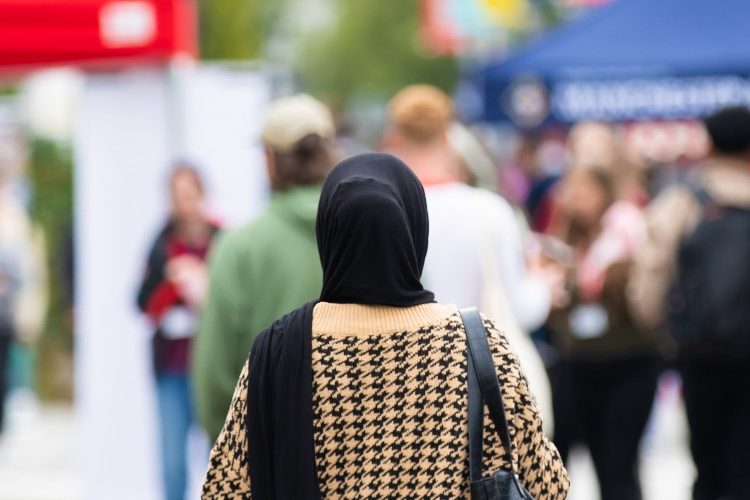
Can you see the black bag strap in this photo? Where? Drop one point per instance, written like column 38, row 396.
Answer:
column 476, row 416
column 483, row 388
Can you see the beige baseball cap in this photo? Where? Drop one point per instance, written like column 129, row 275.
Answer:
column 292, row 118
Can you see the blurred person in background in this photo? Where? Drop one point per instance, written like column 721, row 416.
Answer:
column 597, row 145
column 419, row 118
column 591, row 145
column 476, row 253
column 479, row 170
column 270, row 265
column 171, row 294
column 517, row 175
column 10, row 284
column 694, row 272
column 476, row 166
column 542, row 180
column 609, row 366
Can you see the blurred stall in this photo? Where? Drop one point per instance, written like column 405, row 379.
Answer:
column 40, row 33
column 628, row 60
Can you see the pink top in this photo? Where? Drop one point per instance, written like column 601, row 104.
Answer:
column 623, row 232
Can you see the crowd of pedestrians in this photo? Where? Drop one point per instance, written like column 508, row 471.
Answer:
column 323, row 347
column 696, row 256
column 24, row 293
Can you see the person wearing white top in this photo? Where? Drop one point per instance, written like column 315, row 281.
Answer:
column 476, row 250
column 463, row 220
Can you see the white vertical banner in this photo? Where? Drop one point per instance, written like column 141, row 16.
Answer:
column 121, row 155
column 222, row 115
column 124, row 149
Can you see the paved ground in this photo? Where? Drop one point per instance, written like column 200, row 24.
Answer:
column 38, row 452
column 38, row 456
column 666, row 468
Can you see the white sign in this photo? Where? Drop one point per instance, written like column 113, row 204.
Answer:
column 124, row 148
column 127, row 24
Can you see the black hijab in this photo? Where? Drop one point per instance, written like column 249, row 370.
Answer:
column 372, row 230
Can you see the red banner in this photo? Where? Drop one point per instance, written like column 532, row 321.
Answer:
column 437, row 32
column 36, row 33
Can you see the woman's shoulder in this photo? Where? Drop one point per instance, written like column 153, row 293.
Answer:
column 292, row 324
column 495, row 335
column 502, row 352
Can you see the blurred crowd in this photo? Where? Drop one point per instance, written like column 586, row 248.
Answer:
column 23, row 273
column 600, row 280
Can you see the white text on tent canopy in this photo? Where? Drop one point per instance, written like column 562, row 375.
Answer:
column 632, row 99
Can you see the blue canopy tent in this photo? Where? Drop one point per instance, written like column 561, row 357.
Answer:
column 628, row 60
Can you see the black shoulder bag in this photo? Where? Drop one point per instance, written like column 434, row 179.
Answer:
column 484, row 389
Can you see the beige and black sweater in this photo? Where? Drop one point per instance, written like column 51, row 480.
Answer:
column 390, row 410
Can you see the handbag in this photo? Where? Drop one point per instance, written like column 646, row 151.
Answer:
column 484, row 389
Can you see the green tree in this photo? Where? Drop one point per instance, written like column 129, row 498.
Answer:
column 51, row 174
column 232, row 30
column 370, row 53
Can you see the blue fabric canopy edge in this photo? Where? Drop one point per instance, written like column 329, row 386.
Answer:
column 631, row 59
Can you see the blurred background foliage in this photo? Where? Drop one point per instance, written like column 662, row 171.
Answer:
column 50, row 171
column 232, row 30
column 368, row 51
column 372, row 51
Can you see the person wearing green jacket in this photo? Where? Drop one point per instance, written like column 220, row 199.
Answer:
column 269, row 266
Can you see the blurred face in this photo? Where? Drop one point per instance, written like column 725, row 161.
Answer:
column 584, row 199
column 592, row 144
column 526, row 158
column 187, row 198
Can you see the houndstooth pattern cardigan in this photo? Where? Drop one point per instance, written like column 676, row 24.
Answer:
column 390, row 411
